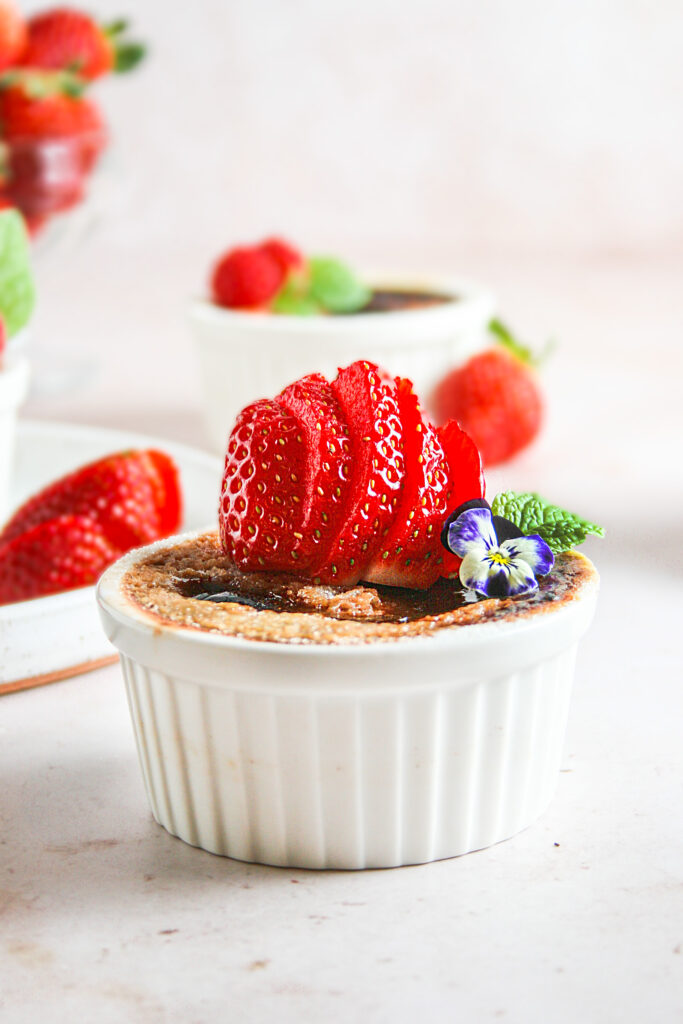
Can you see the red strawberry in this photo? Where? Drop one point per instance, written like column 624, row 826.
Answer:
column 371, row 412
column 328, row 463
column 466, row 478
column 496, row 399
column 285, row 254
column 12, row 34
column 263, row 485
column 45, row 176
column 69, row 40
column 58, row 554
column 46, row 105
column 246, row 278
column 167, row 493
column 122, row 492
column 411, row 553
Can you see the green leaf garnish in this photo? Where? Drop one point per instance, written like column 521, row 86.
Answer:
column 561, row 530
column 295, row 305
column 17, row 290
column 335, row 286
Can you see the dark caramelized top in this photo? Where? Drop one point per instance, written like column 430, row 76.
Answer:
column 370, row 602
column 392, row 300
column 193, row 584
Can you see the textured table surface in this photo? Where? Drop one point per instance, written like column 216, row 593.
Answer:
column 105, row 917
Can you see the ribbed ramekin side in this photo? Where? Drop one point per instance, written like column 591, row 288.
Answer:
column 350, row 781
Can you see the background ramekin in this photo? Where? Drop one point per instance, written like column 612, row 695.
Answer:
column 374, row 755
column 244, row 356
column 14, row 379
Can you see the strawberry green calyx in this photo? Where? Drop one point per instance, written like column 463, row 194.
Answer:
column 39, row 85
column 127, row 54
column 515, row 347
column 560, row 529
column 17, row 290
column 335, row 286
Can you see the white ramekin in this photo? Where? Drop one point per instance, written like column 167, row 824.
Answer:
column 244, row 356
column 366, row 756
column 14, row 378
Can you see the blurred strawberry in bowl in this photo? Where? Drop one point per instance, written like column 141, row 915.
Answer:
column 52, row 136
column 52, row 132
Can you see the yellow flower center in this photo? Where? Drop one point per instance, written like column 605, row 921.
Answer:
column 498, row 558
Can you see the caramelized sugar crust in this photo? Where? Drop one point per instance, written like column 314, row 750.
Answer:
column 194, row 585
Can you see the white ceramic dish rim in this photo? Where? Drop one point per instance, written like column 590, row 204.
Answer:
column 26, row 609
column 89, row 644
column 474, row 638
column 13, row 380
column 468, row 300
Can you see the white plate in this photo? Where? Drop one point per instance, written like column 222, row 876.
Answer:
column 53, row 637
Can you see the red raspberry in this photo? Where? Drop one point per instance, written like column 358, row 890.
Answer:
column 246, row 278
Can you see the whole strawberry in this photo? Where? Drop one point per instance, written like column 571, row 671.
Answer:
column 247, row 278
column 12, row 34
column 495, row 397
column 69, row 40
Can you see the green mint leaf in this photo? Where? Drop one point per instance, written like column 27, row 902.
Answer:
column 335, row 286
column 295, row 305
column 17, row 290
column 561, row 530
column 294, row 298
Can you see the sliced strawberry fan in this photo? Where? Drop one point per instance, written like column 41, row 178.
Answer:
column 345, row 481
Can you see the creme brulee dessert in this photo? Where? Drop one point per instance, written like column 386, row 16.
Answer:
column 367, row 664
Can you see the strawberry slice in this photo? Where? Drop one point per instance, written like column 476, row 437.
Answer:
column 125, row 493
column 328, row 462
column 55, row 555
column 466, row 477
column 260, row 513
column 411, row 553
column 165, row 480
column 370, row 409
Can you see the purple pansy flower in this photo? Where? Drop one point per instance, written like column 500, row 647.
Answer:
column 497, row 559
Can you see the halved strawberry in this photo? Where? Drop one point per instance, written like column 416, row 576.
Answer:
column 466, row 477
column 328, row 462
column 56, row 555
column 168, row 495
column 370, row 409
column 411, row 553
column 122, row 492
column 260, row 512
